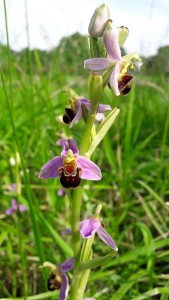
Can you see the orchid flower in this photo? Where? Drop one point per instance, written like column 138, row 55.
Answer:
column 74, row 114
column 70, row 166
column 90, row 226
column 120, row 77
column 14, row 207
column 58, row 278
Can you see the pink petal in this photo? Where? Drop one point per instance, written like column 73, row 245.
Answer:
column 106, row 238
column 22, row 207
column 64, row 287
column 50, row 169
column 14, row 204
column 97, row 65
column 90, row 170
column 110, row 38
column 103, row 107
column 114, row 80
column 89, row 227
column 9, row 211
column 68, row 144
column 68, row 265
column 77, row 116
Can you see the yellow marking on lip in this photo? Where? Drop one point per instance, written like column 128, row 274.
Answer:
column 70, row 158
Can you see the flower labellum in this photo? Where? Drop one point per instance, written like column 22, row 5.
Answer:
column 70, row 166
column 70, row 174
column 124, row 84
column 68, row 116
column 98, row 21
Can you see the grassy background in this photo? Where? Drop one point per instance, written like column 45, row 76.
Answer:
column 133, row 157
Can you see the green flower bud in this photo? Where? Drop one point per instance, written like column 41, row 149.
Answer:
column 98, row 21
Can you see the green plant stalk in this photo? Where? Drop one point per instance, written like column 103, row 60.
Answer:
column 95, row 90
column 76, row 205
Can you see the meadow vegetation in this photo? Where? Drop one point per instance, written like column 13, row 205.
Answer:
column 133, row 157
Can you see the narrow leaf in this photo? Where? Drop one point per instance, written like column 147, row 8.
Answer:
column 95, row 262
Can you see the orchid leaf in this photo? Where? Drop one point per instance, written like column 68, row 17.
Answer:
column 95, row 262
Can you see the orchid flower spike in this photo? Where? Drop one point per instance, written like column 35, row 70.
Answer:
column 90, row 227
column 75, row 113
column 58, row 278
column 70, row 166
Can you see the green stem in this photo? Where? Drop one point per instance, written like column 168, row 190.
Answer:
column 76, row 205
column 77, row 288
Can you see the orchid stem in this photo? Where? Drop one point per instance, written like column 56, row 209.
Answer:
column 79, row 280
column 76, row 205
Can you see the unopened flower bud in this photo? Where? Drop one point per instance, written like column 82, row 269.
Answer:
column 98, row 21
column 123, row 33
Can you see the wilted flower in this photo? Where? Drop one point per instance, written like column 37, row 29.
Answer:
column 70, row 166
column 14, row 207
column 90, row 226
column 58, row 278
column 121, row 76
column 98, row 21
column 74, row 114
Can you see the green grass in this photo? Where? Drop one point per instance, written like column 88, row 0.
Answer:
column 134, row 159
